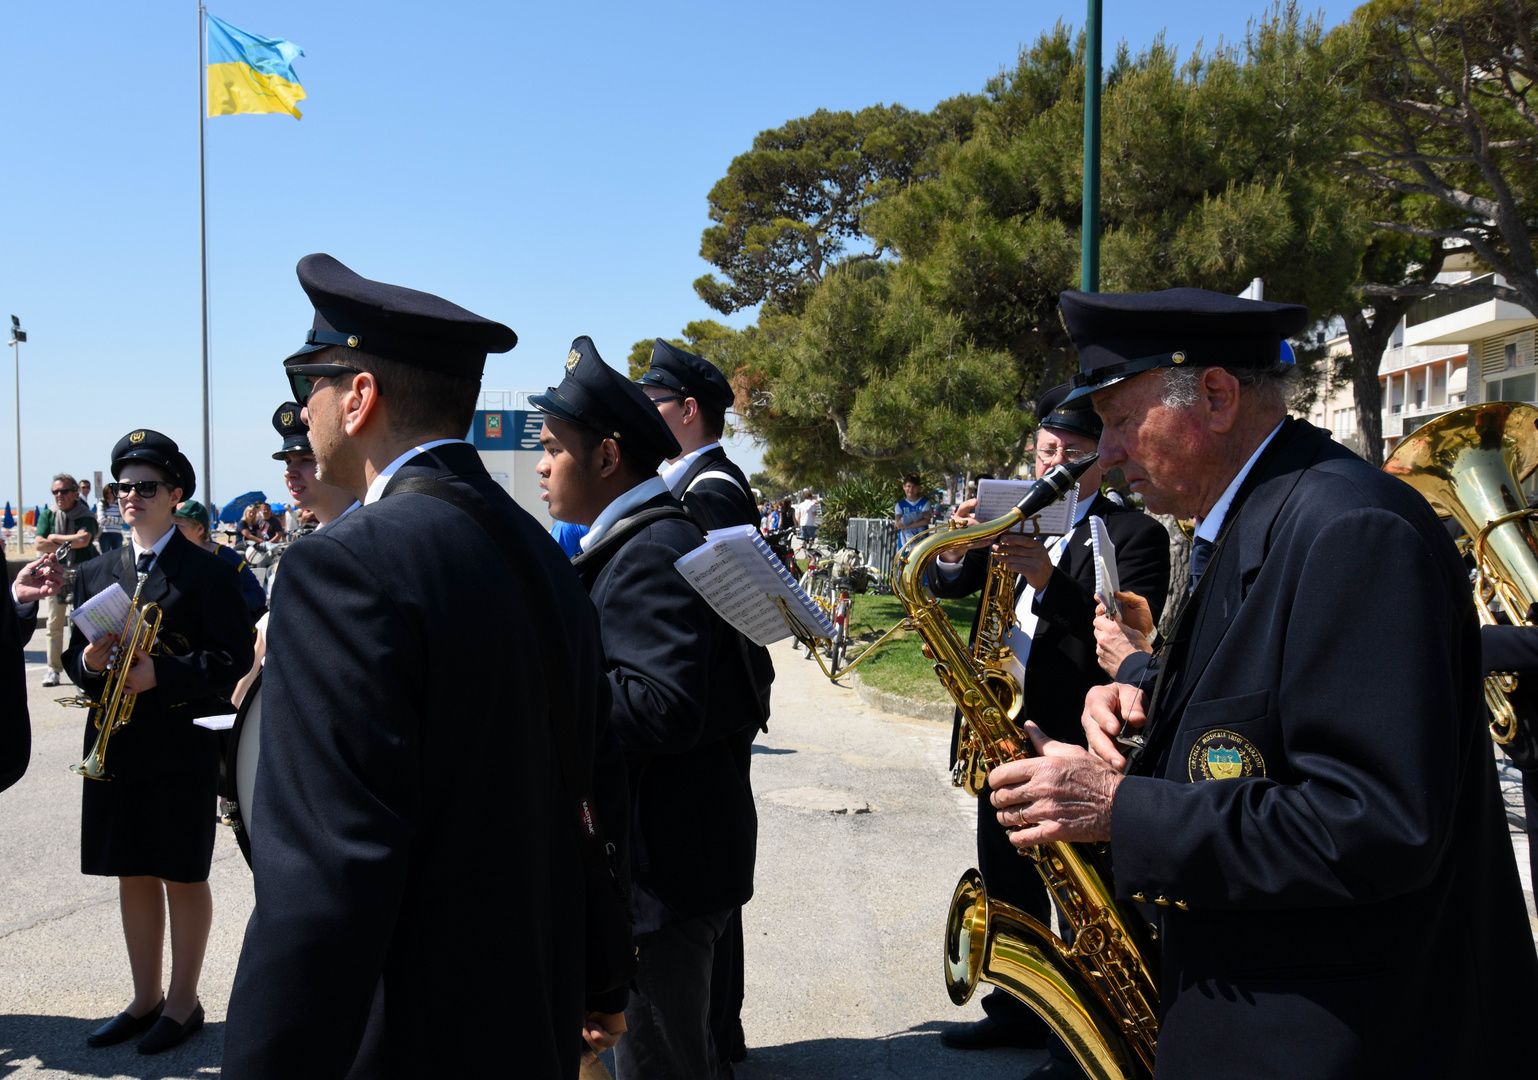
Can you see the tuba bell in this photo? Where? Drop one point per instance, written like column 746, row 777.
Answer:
column 1470, row 464
column 117, row 704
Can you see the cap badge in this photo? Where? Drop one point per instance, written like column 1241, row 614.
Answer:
column 1179, row 357
column 136, row 437
column 352, row 341
column 286, row 419
column 572, row 359
column 1223, row 755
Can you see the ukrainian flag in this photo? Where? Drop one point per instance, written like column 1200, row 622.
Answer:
column 250, row 74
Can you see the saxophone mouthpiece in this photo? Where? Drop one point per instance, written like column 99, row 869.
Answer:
column 1052, row 487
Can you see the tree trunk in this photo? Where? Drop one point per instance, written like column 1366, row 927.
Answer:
column 1367, row 345
column 1180, row 572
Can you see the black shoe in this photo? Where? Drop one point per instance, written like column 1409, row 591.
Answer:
column 1055, row 1069
column 168, row 1033
column 123, row 1027
column 987, row 1033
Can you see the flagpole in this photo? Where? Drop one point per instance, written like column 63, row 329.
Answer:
column 208, row 472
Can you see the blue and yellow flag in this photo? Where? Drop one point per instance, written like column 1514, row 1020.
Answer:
column 250, row 74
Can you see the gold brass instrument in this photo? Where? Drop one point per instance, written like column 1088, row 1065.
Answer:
column 1100, row 994
column 1470, row 464
column 117, row 704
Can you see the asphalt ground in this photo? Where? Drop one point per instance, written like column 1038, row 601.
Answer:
column 861, row 840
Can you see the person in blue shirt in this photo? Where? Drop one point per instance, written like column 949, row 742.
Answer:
column 569, row 536
column 914, row 510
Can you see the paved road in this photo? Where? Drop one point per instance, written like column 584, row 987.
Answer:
column 861, row 840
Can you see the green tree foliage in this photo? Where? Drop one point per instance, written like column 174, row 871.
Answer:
column 702, row 337
column 1450, row 119
column 787, row 208
column 860, row 497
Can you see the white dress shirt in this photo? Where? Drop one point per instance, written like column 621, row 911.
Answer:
column 675, row 470
column 643, row 492
column 377, row 488
column 156, row 548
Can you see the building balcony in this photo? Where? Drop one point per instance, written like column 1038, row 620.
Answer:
column 1400, row 420
column 1446, row 320
column 1401, row 357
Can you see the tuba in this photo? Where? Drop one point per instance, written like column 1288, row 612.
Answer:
column 1099, row 994
column 1470, row 464
column 117, row 704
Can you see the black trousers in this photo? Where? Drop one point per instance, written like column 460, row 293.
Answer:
column 726, row 989
column 668, row 1018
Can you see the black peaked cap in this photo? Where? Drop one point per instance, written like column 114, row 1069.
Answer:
column 1119, row 335
column 395, row 322
column 693, row 376
column 296, row 436
column 596, row 396
column 1083, row 421
column 153, row 448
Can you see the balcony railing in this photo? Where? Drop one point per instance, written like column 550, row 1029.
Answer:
column 1409, row 356
column 1435, row 307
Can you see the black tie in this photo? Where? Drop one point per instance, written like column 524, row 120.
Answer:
column 145, row 562
column 1201, row 551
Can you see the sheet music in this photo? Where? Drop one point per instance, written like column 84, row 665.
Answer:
column 739, row 576
column 995, row 498
column 1106, row 583
column 221, row 722
column 103, row 614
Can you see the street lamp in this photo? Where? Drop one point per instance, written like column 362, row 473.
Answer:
column 18, row 335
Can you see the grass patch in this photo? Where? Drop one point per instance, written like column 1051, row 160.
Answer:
column 899, row 666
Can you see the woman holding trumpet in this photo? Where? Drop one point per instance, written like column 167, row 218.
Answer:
column 150, row 824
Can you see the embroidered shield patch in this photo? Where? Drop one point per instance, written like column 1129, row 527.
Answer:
column 1223, row 755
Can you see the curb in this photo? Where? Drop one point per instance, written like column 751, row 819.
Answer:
column 895, row 703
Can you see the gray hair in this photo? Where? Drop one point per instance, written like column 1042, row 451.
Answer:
column 68, row 479
column 1270, row 386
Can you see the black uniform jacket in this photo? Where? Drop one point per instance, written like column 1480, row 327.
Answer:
column 413, row 835
column 1062, row 666
column 15, row 723
column 1318, row 806
column 205, row 646
column 676, row 673
column 716, row 502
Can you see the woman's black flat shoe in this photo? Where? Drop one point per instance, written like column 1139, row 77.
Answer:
column 168, row 1033
column 123, row 1027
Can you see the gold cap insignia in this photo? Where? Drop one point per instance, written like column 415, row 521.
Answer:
column 352, row 341
column 286, row 419
column 1179, row 357
column 572, row 359
column 136, row 437
column 1222, row 755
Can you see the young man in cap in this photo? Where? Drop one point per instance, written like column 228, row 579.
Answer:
column 417, row 855
column 692, row 396
column 681, row 696
column 1313, row 817
column 1054, row 601
column 326, row 501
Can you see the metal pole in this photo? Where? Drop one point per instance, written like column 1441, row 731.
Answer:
column 208, row 471
column 21, row 512
column 1089, row 228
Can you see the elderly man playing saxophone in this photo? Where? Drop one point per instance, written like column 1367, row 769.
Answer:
column 1305, row 799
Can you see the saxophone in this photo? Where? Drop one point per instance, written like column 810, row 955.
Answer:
column 1099, row 994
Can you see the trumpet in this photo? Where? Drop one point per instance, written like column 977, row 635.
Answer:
column 116, row 706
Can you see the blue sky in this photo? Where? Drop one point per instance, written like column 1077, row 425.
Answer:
column 544, row 165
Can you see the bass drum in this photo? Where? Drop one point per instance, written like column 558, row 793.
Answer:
column 240, row 758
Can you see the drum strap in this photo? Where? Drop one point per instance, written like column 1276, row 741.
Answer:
column 605, row 972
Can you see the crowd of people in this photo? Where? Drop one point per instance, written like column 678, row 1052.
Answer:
column 1297, row 786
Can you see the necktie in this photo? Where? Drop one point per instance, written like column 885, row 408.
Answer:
column 1201, row 551
column 145, row 562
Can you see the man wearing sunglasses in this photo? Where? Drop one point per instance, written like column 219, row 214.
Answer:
column 419, row 861
column 67, row 529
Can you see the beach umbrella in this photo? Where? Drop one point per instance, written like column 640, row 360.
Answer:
column 237, row 506
column 10, row 518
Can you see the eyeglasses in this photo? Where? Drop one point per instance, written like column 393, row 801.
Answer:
column 147, row 489
column 1069, row 455
column 303, row 377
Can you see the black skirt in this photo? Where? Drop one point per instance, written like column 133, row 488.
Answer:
column 158, row 827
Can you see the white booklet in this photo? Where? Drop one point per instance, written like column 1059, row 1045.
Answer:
column 738, row 575
column 1106, row 584
column 995, row 498
column 103, row 614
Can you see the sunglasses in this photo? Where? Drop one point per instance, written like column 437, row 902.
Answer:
column 303, row 377
column 64, row 491
column 665, row 400
column 147, row 489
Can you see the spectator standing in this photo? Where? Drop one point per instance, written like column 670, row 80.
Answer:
column 914, row 511
column 109, row 517
column 66, row 527
column 808, row 516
